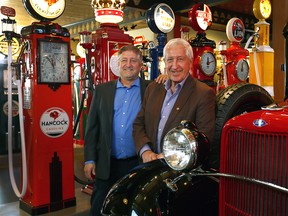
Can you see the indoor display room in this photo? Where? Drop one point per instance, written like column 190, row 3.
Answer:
column 60, row 60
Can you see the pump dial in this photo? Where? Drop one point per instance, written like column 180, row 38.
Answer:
column 242, row 69
column 208, row 63
column 53, row 67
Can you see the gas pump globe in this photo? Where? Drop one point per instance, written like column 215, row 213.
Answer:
column 8, row 25
column 108, row 11
column 262, row 55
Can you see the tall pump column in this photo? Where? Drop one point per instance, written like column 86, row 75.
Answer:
column 47, row 108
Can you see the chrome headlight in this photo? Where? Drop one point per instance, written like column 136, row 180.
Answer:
column 181, row 146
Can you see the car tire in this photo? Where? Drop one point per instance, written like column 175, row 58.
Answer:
column 235, row 100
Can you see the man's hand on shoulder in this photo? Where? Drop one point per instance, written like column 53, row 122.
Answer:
column 161, row 78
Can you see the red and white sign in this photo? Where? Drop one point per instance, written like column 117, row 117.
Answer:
column 235, row 30
column 200, row 17
column 54, row 122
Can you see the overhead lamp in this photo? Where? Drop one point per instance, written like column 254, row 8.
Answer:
column 108, row 11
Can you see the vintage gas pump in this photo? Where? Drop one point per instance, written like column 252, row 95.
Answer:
column 47, row 108
column 9, row 42
column 235, row 64
column 107, row 40
column 262, row 55
column 161, row 20
column 204, row 66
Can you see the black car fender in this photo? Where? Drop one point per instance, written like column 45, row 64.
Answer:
column 144, row 191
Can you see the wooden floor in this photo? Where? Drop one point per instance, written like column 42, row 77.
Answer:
column 9, row 203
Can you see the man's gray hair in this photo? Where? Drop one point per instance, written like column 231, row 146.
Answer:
column 179, row 41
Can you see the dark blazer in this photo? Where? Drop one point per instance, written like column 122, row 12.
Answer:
column 196, row 102
column 98, row 136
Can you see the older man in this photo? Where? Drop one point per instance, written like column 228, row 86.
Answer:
column 182, row 97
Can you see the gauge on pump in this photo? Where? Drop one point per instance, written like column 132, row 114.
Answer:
column 242, row 69
column 53, row 67
column 208, row 63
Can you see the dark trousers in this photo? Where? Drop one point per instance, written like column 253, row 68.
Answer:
column 118, row 169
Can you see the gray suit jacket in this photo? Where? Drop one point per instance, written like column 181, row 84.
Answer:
column 196, row 102
column 98, row 136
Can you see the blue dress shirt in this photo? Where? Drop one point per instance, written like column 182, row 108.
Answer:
column 127, row 104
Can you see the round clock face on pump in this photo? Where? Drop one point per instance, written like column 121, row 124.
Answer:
column 54, row 66
column 208, row 63
column 45, row 9
column 262, row 9
column 242, row 69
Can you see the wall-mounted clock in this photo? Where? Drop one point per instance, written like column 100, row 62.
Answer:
column 45, row 10
column 262, row 9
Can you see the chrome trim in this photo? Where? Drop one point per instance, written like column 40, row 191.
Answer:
column 170, row 184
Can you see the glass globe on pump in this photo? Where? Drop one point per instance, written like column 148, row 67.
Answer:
column 108, row 11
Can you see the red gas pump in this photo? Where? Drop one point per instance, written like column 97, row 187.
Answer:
column 236, row 67
column 48, row 119
column 107, row 40
column 47, row 104
column 204, row 66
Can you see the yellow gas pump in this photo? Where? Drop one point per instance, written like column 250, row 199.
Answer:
column 262, row 55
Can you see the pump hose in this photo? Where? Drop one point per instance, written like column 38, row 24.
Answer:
column 76, row 121
column 255, row 57
column 23, row 148
column 77, row 179
column 75, row 126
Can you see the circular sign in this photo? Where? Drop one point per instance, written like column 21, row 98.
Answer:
column 235, row 30
column 4, row 45
column 54, row 122
column 45, row 10
column 262, row 9
column 15, row 108
column 80, row 50
column 200, row 17
column 113, row 63
column 160, row 18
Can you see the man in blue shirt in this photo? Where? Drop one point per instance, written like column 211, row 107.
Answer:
column 109, row 150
